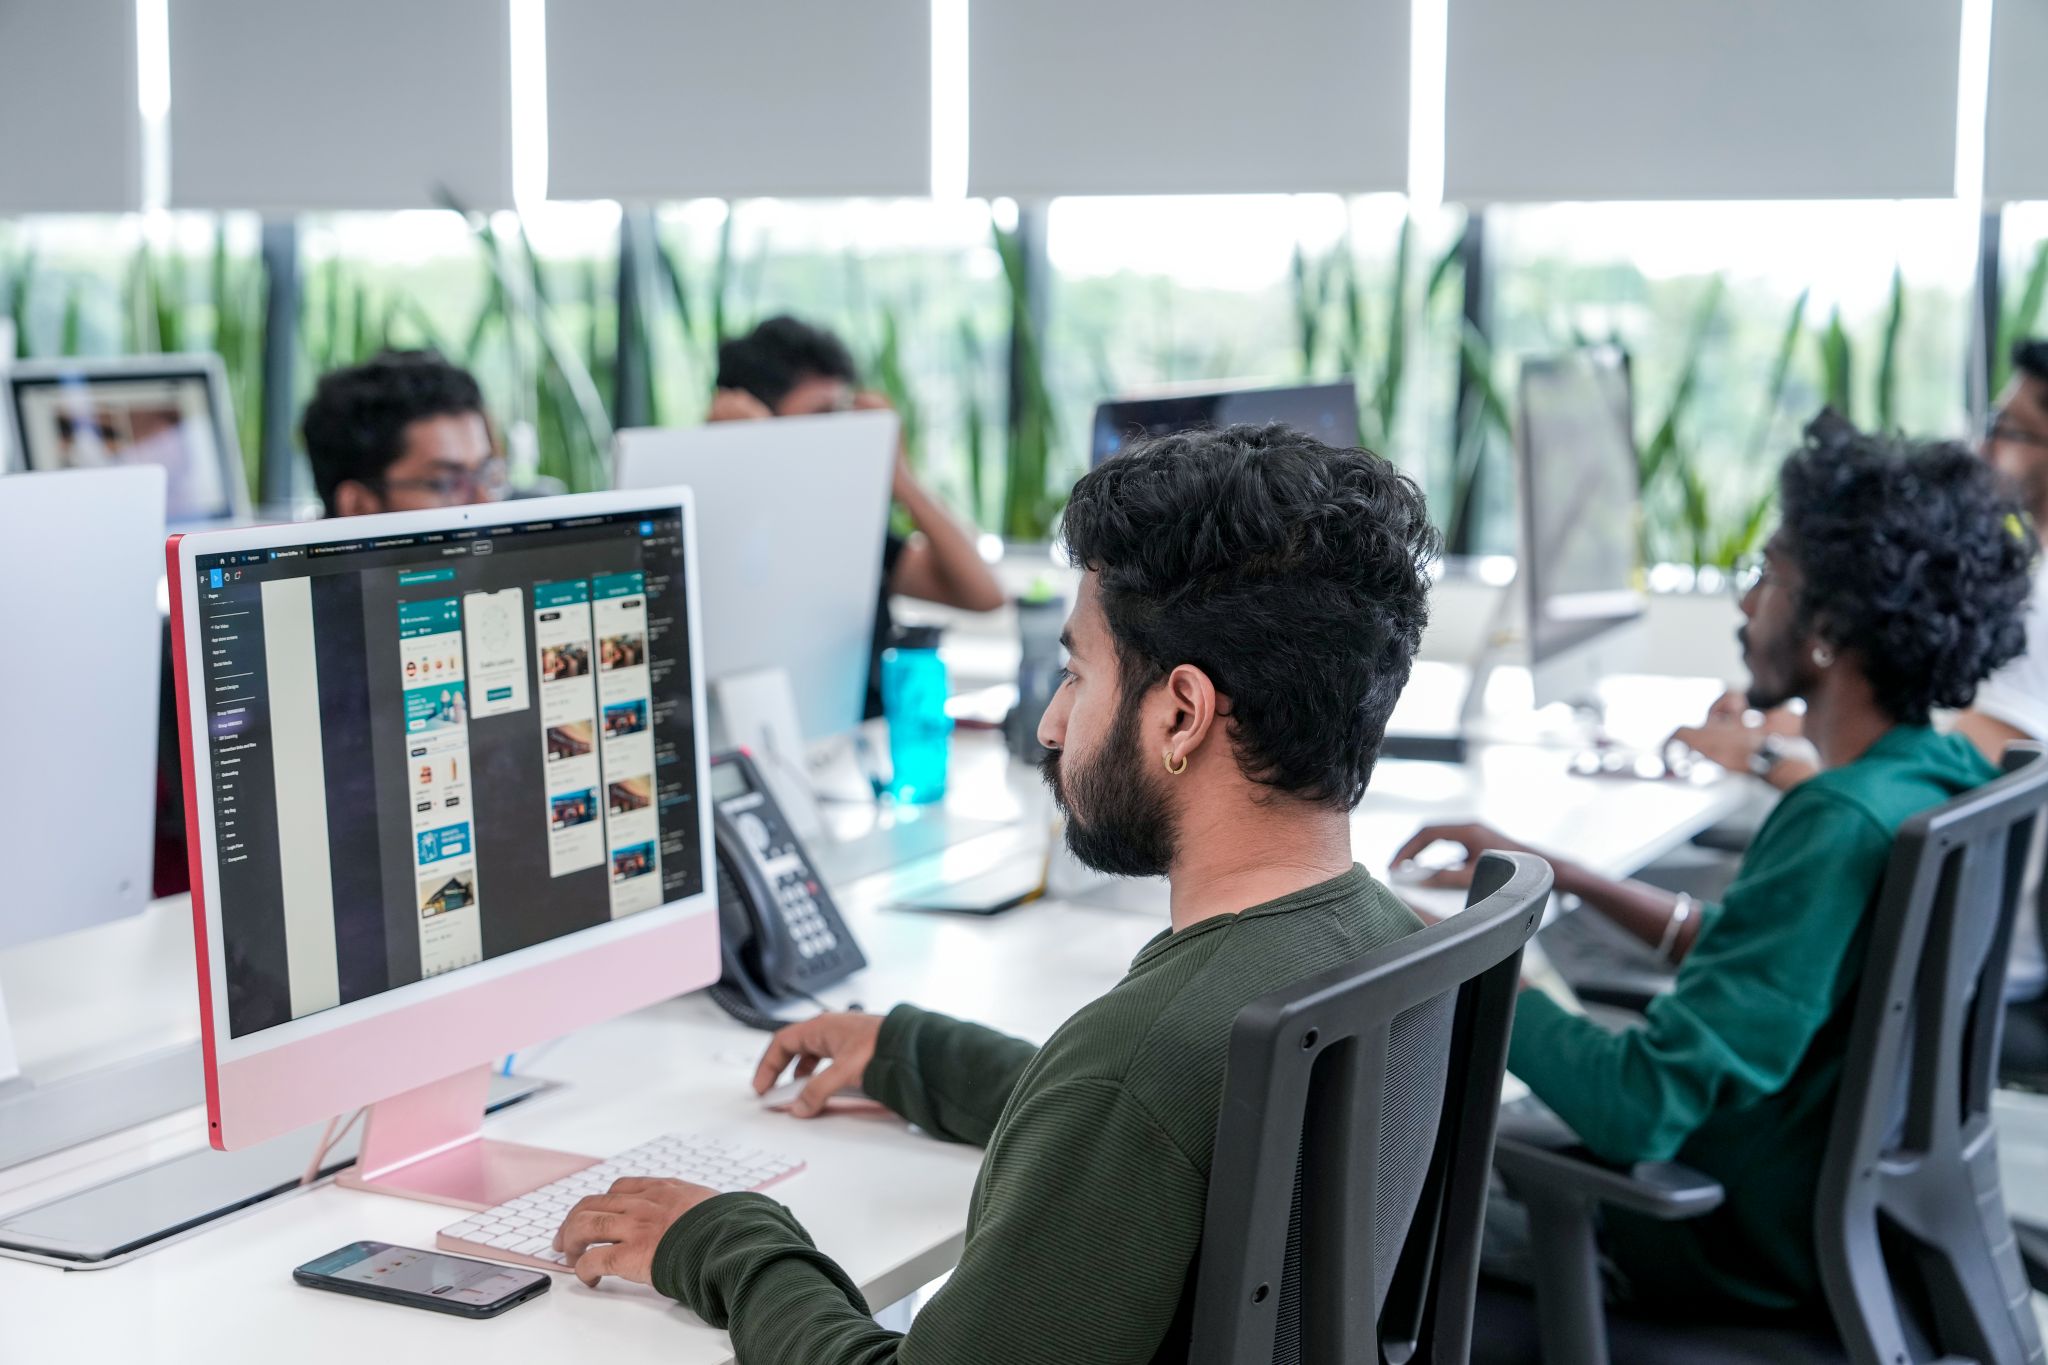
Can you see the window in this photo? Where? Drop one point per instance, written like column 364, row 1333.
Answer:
column 1150, row 293
column 1704, row 297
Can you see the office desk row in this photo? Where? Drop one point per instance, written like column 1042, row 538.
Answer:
column 890, row 1204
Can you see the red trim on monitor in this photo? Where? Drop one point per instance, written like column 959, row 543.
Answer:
column 195, row 853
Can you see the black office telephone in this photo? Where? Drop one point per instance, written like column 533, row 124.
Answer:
column 780, row 934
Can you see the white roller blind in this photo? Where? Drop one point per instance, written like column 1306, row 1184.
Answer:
column 70, row 131
column 364, row 104
column 2016, row 131
column 1701, row 99
column 1187, row 96
column 668, row 99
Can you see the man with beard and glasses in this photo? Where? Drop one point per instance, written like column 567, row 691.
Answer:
column 1896, row 583
column 1250, row 605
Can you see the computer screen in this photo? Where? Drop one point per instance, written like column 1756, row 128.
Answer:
column 436, row 749
column 1581, row 498
column 169, row 411
column 1328, row 412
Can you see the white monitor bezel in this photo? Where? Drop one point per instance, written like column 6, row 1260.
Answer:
column 189, row 547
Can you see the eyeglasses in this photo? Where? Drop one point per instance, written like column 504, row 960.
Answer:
column 1750, row 573
column 485, row 483
column 2000, row 429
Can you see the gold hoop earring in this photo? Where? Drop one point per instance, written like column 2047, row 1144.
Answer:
column 1176, row 772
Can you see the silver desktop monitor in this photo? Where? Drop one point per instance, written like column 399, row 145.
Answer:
column 171, row 411
column 81, row 553
column 791, row 514
column 1580, row 571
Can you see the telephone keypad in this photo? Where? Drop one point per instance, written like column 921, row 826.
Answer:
column 797, row 893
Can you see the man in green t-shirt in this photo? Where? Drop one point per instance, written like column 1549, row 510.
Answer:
column 1896, row 583
column 1250, row 605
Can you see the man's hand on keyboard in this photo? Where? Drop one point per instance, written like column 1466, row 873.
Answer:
column 616, row 1233
column 845, row 1040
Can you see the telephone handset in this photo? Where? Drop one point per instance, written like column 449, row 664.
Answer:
column 779, row 932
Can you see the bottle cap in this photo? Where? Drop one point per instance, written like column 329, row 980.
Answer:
column 916, row 637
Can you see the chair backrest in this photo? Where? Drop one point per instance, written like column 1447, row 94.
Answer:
column 1352, row 1155
column 1916, row 1253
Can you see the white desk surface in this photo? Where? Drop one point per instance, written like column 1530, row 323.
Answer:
column 889, row 1204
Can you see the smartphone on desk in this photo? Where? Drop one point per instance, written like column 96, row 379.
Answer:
column 780, row 933
column 433, row 1280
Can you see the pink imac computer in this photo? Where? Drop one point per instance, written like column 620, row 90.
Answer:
column 399, row 734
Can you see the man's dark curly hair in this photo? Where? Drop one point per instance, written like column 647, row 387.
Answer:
column 2030, row 357
column 780, row 354
column 1294, row 574
column 1913, row 559
column 354, row 427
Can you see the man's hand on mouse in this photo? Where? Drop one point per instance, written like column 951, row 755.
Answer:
column 843, row 1043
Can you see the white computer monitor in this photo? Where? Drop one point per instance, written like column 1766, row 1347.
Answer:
column 399, row 732
column 793, row 513
column 1580, row 570
column 171, row 411
column 79, row 558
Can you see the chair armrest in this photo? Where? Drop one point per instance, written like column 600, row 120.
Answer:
column 1663, row 1190
column 1561, row 1184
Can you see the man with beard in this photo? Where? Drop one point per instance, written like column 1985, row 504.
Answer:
column 2010, row 705
column 1250, row 605
column 1897, row 582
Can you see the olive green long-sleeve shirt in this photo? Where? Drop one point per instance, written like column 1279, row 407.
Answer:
column 1735, row 1071
column 1084, row 1222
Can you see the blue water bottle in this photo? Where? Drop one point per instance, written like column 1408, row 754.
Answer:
column 914, row 700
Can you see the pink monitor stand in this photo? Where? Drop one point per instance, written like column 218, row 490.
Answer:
column 429, row 1144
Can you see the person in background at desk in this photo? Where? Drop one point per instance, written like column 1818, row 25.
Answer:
column 405, row 430
column 2012, row 704
column 1896, row 584
column 402, row 431
column 1251, row 604
column 788, row 368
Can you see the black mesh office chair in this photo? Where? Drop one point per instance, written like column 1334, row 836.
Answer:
column 1349, row 1179
column 2023, row 1056
column 1917, row 1258
column 2023, row 1065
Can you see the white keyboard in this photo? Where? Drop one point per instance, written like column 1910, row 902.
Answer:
column 523, row 1230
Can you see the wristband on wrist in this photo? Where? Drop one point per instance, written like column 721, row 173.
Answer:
column 1680, row 913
